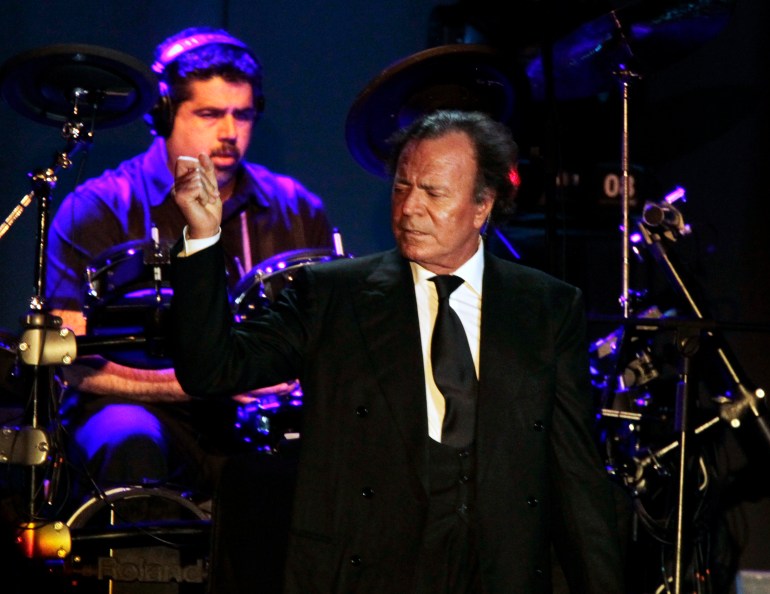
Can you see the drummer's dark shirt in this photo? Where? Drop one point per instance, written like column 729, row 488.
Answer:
column 99, row 219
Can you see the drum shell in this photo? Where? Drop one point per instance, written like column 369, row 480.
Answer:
column 127, row 296
column 262, row 285
column 269, row 422
column 138, row 540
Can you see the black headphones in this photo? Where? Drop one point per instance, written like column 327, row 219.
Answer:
column 160, row 118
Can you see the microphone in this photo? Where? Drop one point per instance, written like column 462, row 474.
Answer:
column 664, row 215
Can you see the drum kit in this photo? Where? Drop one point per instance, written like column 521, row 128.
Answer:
column 127, row 292
column 83, row 88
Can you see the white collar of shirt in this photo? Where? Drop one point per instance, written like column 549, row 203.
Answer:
column 472, row 272
column 192, row 246
column 466, row 301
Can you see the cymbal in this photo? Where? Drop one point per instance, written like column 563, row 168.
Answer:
column 113, row 88
column 642, row 37
column 455, row 76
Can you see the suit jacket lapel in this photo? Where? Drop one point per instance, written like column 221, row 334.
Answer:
column 501, row 367
column 388, row 318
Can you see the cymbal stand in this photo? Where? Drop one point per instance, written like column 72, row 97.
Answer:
column 43, row 341
column 43, row 180
column 687, row 340
column 686, row 343
column 626, row 76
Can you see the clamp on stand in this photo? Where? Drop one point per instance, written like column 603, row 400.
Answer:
column 43, row 342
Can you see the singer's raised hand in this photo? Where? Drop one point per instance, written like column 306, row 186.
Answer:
column 197, row 195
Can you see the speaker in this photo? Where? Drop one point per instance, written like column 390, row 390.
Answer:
column 752, row 582
column 160, row 118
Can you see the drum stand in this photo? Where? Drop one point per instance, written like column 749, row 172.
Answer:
column 737, row 403
column 43, row 341
column 62, row 85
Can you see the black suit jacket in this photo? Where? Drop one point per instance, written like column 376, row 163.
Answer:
column 349, row 330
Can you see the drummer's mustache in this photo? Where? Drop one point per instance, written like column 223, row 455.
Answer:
column 226, row 151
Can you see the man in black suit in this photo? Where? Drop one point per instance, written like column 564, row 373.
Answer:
column 388, row 499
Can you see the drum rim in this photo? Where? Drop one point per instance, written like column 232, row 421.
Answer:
column 94, row 504
column 108, row 257
column 267, row 268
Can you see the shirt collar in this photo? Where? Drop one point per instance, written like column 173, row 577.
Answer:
column 472, row 271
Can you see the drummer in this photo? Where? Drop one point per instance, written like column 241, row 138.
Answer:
column 135, row 425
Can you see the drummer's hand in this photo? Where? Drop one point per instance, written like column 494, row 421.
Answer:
column 197, row 195
column 281, row 389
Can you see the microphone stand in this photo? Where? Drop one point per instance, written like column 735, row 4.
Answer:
column 687, row 345
column 747, row 399
column 737, row 400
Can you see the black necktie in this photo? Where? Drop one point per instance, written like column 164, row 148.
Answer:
column 453, row 369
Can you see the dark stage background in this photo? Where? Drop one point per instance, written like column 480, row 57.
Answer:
column 700, row 122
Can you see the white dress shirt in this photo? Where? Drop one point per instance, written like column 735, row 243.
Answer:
column 466, row 301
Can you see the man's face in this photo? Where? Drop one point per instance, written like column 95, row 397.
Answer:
column 435, row 220
column 216, row 120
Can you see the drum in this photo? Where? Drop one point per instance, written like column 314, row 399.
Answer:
column 262, row 285
column 270, row 421
column 136, row 540
column 127, row 296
